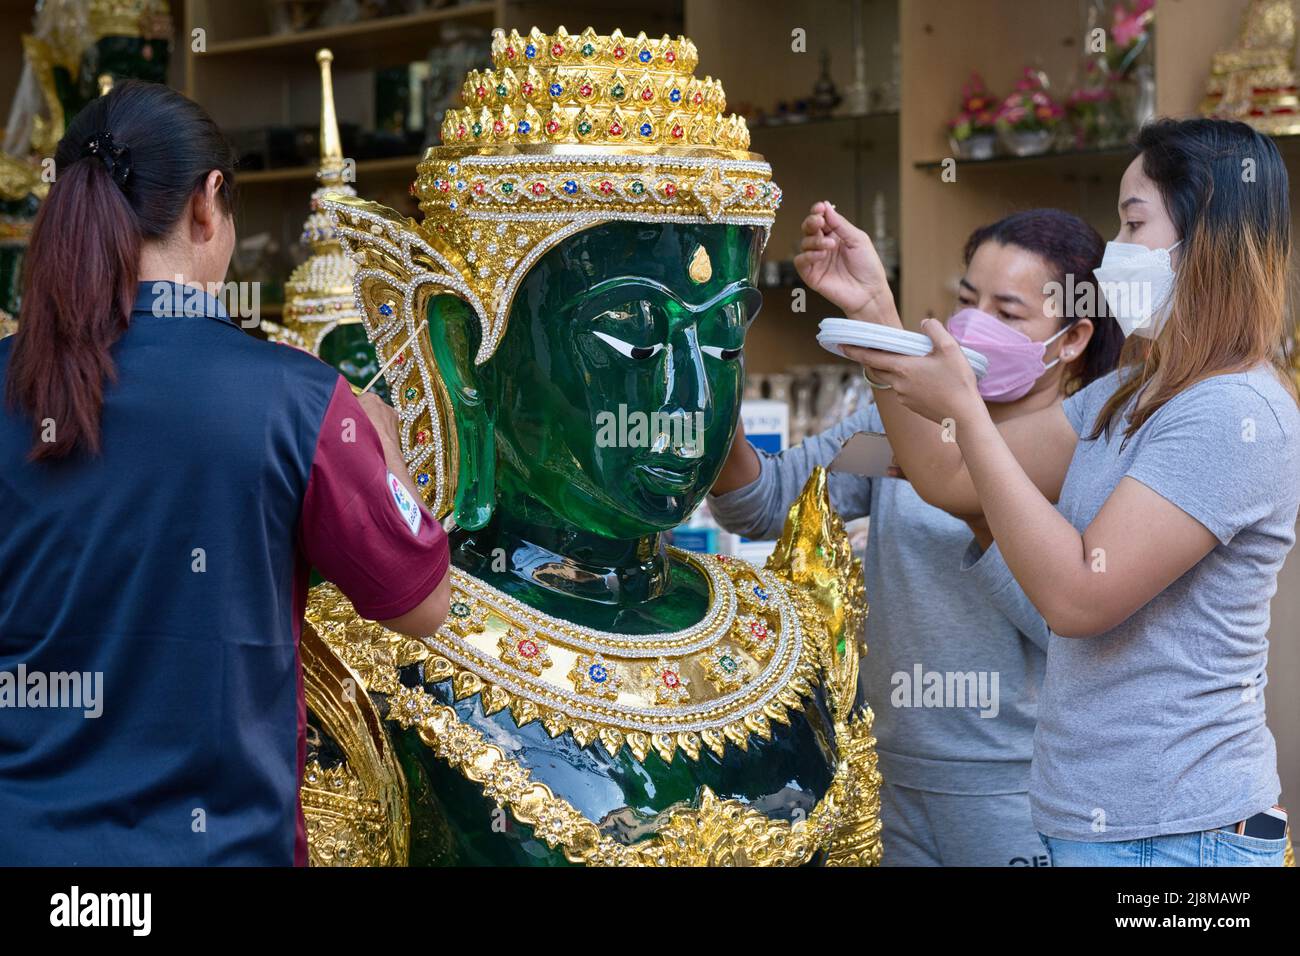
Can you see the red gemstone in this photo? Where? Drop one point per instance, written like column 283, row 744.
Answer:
column 510, row 53
column 557, row 50
column 527, row 648
column 480, row 188
column 552, row 126
column 585, row 89
column 750, row 190
column 606, row 186
column 498, row 126
column 401, row 359
column 671, row 56
column 671, row 679
column 647, row 94
column 421, row 437
column 445, row 185
column 539, row 188
column 615, row 129
column 619, row 53
column 697, row 98
column 528, row 89
column 670, row 190
column 678, row 132
column 460, row 131
column 758, row 630
column 481, row 90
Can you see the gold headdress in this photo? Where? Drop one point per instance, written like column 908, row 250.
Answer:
column 564, row 133
column 319, row 294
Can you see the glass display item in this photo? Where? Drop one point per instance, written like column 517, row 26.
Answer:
column 563, row 337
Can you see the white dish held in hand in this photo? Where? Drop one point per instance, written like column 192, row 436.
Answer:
column 834, row 333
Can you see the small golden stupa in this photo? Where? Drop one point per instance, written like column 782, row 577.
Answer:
column 1255, row 80
column 318, row 296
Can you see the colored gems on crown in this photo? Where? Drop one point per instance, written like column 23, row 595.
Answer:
column 562, row 134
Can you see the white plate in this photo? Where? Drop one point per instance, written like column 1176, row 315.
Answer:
column 836, row 332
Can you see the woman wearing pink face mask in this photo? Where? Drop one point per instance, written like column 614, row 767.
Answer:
column 955, row 771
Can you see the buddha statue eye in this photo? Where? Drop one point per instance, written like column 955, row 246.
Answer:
column 727, row 355
column 637, row 352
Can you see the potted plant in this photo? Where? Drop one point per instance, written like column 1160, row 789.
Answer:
column 972, row 132
column 1029, row 119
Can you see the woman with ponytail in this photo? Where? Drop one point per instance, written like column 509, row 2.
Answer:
column 166, row 483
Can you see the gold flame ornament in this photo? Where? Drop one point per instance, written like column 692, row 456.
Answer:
column 563, row 133
column 319, row 294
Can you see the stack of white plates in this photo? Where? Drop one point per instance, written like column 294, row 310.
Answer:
column 834, row 333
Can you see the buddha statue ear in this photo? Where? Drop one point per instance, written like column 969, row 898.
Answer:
column 454, row 335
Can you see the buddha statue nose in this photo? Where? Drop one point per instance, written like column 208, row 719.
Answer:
column 687, row 398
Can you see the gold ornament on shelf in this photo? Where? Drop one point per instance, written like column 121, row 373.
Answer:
column 319, row 294
column 1255, row 80
column 565, row 133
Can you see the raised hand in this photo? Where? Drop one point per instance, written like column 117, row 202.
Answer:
column 839, row 262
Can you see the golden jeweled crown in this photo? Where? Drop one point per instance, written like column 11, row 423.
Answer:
column 563, row 133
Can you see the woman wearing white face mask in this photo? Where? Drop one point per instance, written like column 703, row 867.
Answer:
column 1175, row 484
column 955, row 777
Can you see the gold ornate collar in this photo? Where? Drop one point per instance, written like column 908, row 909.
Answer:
column 747, row 662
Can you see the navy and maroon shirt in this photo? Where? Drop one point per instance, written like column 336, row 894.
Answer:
column 171, row 573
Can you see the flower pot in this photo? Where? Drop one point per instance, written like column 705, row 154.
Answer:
column 1027, row 142
column 978, row 146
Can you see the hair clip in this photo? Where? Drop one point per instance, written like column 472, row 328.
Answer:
column 116, row 159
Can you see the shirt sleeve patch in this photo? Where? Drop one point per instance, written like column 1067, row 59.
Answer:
column 405, row 502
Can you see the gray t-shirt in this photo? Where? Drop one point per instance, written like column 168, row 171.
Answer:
column 950, row 675
column 1157, row 726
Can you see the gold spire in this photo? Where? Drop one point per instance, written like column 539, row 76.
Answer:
column 319, row 295
column 331, row 148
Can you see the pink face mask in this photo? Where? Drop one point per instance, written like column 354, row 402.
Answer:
column 1015, row 360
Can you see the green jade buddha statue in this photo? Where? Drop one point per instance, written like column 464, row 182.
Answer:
column 567, row 371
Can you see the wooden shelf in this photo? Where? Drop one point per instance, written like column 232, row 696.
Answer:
column 824, row 120
column 306, row 174
column 1054, row 156
column 394, row 39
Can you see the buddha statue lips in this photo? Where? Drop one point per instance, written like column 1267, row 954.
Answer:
column 563, row 337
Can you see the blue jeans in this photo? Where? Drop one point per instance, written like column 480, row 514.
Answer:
column 1206, row 848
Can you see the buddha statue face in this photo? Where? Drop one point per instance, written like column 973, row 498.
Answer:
column 612, row 399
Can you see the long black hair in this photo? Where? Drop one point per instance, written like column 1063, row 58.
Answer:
column 1073, row 249
column 1226, row 189
column 125, row 170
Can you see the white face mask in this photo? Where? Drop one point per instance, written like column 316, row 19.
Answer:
column 1138, row 284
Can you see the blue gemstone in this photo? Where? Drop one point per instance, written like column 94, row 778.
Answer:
column 452, row 169
column 452, row 205
column 570, row 186
column 556, row 89
column 385, row 309
column 644, row 56
column 761, row 594
column 422, row 479
column 524, row 126
column 646, row 129
column 530, row 51
column 597, row 673
column 675, row 95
